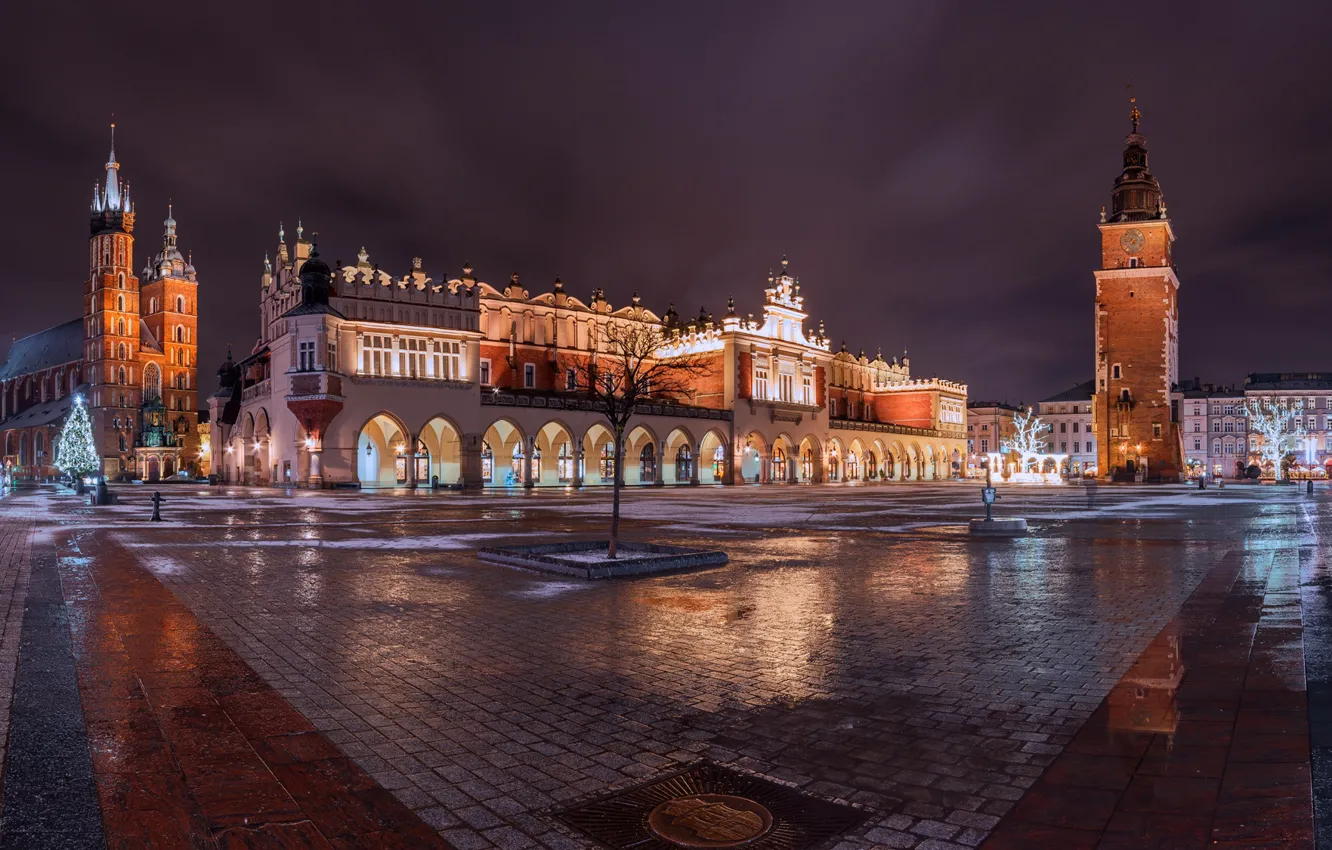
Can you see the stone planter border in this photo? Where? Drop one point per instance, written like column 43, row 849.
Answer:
column 635, row 558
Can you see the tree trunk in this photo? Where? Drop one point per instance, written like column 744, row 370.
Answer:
column 617, row 476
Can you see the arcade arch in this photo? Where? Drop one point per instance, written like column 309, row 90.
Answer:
column 554, row 459
column 439, row 452
column 678, row 458
column 381, row 452
column 712, row 458
column 503, row 455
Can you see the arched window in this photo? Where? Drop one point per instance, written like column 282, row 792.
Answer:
column 120, row 281
column 778, row 465
column 120, row 375
column 684, row 464
column 647, row 464
column 120, row 351
column 564, row 464
column 180, row 303
column 719, row 463
column 180, row 333
column 152, row 305
column 152, row 382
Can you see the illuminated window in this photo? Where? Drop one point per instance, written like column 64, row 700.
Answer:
column 786, row 380
column 760, row 376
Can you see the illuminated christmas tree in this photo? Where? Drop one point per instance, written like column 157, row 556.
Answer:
column 76, row 453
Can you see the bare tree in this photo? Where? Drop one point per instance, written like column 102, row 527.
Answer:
column 629, row 367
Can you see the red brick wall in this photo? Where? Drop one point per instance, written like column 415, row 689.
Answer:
column 744, row 384
column 1133, row 313
column 913, row 409
column 711, row 383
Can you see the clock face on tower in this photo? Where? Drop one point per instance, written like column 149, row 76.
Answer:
column 1132, row 240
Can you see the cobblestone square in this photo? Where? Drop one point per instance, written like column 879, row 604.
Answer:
column 859, row 647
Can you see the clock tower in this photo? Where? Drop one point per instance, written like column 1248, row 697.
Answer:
column 1137, row 327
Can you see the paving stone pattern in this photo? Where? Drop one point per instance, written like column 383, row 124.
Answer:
column 15, row 567
column 926, row 677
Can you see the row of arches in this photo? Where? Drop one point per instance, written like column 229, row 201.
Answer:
column 390, row 455
column 782, row 459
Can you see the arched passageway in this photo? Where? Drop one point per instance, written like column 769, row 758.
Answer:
column 678, row 458
column 382, row 452
column 439, row 453
column 503, row 455
column 712, row 457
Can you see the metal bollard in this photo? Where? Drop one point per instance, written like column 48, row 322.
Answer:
column 1309, row 486
column 157, row 507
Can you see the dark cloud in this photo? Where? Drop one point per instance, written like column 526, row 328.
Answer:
column 933, row 170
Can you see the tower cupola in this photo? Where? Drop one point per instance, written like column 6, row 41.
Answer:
column 1137, row 195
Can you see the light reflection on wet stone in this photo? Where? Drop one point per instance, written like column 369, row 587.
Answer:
column 924, row 675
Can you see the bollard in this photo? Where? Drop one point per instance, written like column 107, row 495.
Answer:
column 157, row 506
column 1309, row 487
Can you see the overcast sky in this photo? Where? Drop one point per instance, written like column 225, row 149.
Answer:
column 934, row 171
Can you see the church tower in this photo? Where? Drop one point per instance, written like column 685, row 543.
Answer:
column 111, row 319
column 1137, row 327
column 170, row 318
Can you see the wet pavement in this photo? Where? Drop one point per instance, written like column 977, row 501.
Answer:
column 320, row 669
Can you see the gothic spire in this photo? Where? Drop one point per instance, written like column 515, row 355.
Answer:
column 111, row 207
column 112, row 198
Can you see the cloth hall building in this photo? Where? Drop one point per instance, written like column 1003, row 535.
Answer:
column 363, row 378
column 131, row 355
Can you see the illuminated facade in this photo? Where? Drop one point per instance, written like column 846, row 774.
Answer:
column 364, row 378
column 132, row 354
column 1069, row 415
column 1309, row 394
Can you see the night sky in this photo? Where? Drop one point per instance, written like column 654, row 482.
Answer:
column 934, row 171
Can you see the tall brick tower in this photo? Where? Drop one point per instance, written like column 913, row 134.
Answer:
column 111, row 317
column 1137, row 327
column 171, row 315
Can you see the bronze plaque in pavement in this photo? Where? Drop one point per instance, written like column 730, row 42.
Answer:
column 710, row 820
column 705, row 806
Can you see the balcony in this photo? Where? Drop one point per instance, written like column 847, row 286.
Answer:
column 256, row 390
column 307, row 385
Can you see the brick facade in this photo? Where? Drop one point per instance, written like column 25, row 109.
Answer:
column 1137, row 330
